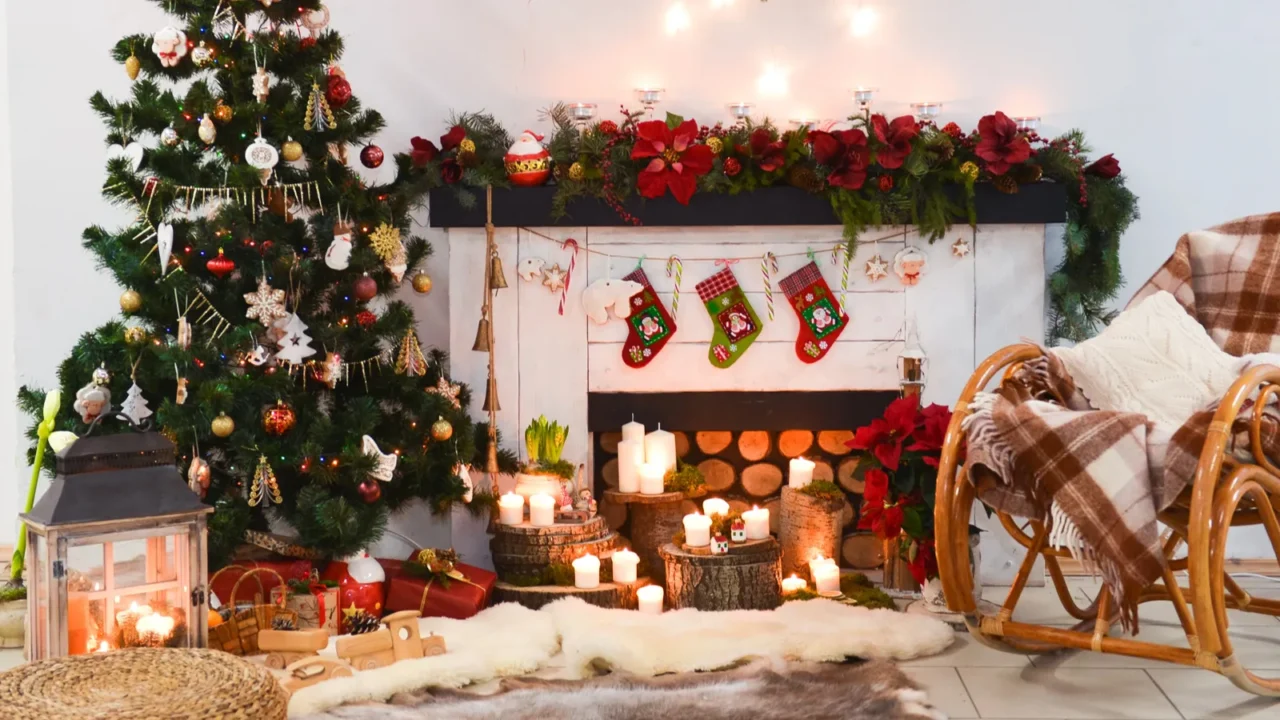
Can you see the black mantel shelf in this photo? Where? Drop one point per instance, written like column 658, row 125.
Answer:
column 1036, row 204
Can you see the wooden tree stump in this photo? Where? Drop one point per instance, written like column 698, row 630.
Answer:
column 808, row 526
column 524, row 549
column 845, row 475
column 749, row 579
column 794, row 443
column 655, row 519
column 762, row 479
column 754, row 444
column 718, row 474
column 863, row 551
column 608, row 595
column 833, row 441
column 713, row 442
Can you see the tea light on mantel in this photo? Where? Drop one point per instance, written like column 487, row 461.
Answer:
column 624, row 566
column 740, row 111
column 542, row 510
column 715, row 506
column 697, row 530
column 648, row 97
column 926, row 111
column 801, row 473
column 863, row 96
column 805, row 124
column 652, row 479
column 1027, row 123
column 511, row 509
column 793, row 584
column 582, row 112
column 586, row 572
column 650, row 599
column 757, row 521
column 660, row 449
column 826, row 575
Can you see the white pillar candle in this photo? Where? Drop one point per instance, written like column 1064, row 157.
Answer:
column 630, row 458
column 826, row 575
column 633, row 432
column 586, row 572
column 650, row 597
column 757, row 520
column 511, row 509
column 793, row 584
column 624, row 566
column 697, row 530
column 542, row 510
column 715, row 506
column 660, row 449
column 801, row 473
column 651, row 479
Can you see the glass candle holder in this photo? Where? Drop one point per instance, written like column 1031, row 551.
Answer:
column 863, row 96
column 740, row 111
column 1027, row 123
column 805, row 124
column 649, row 97
column 582, row 113
column 926, row 111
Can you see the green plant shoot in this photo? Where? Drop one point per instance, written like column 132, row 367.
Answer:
column 52, row 403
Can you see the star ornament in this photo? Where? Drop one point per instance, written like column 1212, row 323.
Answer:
column 960, row 247
column 877, row 268
column 448, row 391
column 553, row 278
column 351, row 612
column 266, row 305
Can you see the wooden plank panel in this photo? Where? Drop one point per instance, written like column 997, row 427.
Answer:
column 766, row 366
column 466, row 280
column 942, row 305
column 1010, row 292
column 817, row 236
column 873, row 316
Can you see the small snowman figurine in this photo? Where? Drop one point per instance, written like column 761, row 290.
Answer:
column 738, row 531
column 528, row 162
column 719, row 545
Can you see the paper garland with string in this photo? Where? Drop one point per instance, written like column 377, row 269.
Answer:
column 312, row 368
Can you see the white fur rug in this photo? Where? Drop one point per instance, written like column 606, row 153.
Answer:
column 508, row 640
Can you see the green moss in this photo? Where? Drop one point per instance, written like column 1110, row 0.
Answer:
column 687, row 479
column 858, row 591
column 824, row 490
column 9, row 593
column 562, row 469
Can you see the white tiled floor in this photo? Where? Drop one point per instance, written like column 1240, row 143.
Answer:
column 970, row 680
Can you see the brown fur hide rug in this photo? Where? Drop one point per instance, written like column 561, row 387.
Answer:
column 850, row 691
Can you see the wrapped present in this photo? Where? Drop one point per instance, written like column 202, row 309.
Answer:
column 439, row 588
column 261, row 584
column 315, row 602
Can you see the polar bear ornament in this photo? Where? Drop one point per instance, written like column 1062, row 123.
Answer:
column 530, row 268
column 603, row 294
column 170, row 45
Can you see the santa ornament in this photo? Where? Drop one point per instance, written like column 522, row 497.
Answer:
column 821, row 317
column 649, row 325
column 360, row 587
column 528, row 162
column 910, row 264
column 170, row 45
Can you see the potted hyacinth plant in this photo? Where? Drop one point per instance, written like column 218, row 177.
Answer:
column 545, row 471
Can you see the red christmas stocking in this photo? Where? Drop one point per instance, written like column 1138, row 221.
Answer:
column 650, row 326
column 821, row 317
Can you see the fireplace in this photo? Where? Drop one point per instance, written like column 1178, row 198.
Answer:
column 742, row 442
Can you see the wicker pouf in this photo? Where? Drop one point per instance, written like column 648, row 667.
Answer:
column 142, row 683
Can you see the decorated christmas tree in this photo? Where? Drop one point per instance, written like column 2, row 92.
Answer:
column 259, row 318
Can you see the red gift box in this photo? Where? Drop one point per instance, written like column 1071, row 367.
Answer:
column 461, row 600
column 224, row 580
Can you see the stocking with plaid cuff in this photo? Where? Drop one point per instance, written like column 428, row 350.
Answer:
column 736, row 324
column 650, row 326
column 821, row 317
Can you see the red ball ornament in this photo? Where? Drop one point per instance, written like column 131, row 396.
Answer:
column 361, row 586
column 338, row 92
column 278, row 419
column 365, row 288
column 732, row 167
column 371, row 156
column 221, row 266
column 366, row 319
column 307, row 42
column 370, row 491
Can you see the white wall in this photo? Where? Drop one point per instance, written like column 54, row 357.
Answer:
column 1171, row 86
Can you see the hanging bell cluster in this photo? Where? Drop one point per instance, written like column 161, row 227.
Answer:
column 491, row 396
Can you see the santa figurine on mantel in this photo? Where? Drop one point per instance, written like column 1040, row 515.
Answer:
column 528, row 162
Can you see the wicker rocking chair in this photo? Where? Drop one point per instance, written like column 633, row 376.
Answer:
column 1225, row 493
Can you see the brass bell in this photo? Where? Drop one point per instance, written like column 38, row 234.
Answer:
column 482, row 336
column 497, row 279
column 491, row 397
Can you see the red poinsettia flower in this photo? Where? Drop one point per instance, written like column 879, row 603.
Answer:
column 883, row 518
column 925, row 563
column 453, row 138
column 895, row 138
column 424, row 151
column 875, row 487
column 1105, row 167
column 1002, row 146
column 845, row 152
column 884, row 436
column 451, row 171
column 931, row 432
column 768, row 153
column 677, row 162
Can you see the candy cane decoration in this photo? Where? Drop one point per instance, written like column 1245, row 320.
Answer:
column 677, row 264
column 768, row 268
column 844, row 273
column 571, row 245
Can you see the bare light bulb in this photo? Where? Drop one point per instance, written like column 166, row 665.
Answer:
column 677, row 18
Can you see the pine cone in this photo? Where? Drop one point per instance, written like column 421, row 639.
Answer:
column 363, row 622
column 283, row 622
column 804, row 178
column 1027, row 173
column 1005, row 184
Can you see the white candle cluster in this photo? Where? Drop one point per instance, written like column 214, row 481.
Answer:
column 826, row 575
column 644, row 460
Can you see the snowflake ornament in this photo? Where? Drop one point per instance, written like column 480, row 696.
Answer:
column 266, row 305
column 553, row 277
column 448, row 391
column 960, row 247
column 876, row 268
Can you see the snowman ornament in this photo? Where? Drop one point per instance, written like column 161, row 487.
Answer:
column 338, row 256
column 528, row 162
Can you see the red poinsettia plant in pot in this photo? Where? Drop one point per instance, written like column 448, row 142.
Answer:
column 899, row 470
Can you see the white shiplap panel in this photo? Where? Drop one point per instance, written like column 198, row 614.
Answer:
column 942, row 304
column 766, row 366
column 1010, row 286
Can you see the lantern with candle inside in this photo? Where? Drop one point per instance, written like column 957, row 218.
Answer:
column 117, row 527
column 586, row 572
column 715, row 506
column 911, row 363
column 793, row 584
column 757, row 523
column 625, row 563
column 650, row 599
column 511, row 509
column 697, row 530
column 801, row 472
column 651, row 479
column 826, row 576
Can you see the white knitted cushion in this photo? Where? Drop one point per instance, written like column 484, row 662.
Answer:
column 1153, row 359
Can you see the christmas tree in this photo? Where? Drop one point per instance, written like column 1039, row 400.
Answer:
column 259, row 276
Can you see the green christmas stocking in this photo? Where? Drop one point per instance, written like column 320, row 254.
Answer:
column 736, row 324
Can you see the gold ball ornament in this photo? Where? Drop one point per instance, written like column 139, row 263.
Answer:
column 291, row 151
column 223, row 113
column 135, row 335
column 130, row 301
column 132, row 66
column 969, row 170
column 441, row 430
column 467, row 145
column 716, row 145
column 422, row 283
column 576, row 172
column 223, row 426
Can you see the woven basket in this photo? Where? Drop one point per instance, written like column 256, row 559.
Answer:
column 142, row 684
column 239, row 634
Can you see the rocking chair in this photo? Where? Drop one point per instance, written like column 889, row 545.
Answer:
column 1224, row 493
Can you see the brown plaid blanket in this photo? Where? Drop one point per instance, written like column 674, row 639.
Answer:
column 1099, row 478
